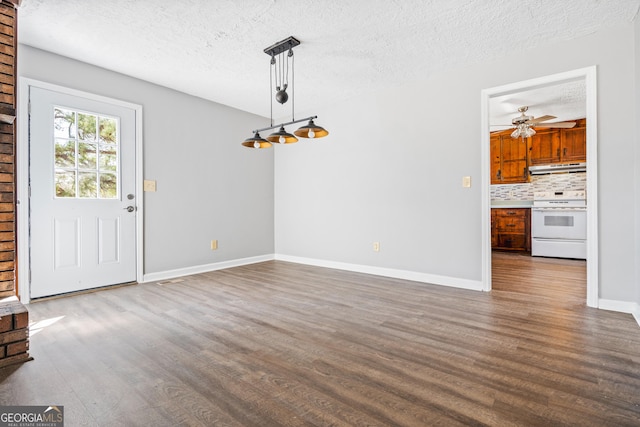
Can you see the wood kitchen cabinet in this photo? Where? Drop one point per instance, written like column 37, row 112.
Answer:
column 509, row 163
column 550, row 146
column 573, row 143
column 511, row 229
column 544, row 147
column 496, row 156
column 511, row 157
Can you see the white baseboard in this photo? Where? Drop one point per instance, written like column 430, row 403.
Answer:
column 197, row 269
column 615, row 305
column 433, row 279
column 621, row 306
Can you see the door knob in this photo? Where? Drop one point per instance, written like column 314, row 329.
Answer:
column 129, row 209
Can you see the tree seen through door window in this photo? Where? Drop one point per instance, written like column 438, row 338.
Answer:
column 86, row 159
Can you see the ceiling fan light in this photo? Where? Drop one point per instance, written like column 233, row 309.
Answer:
column 311, row 130
column 523, row 130
column 529, row 132
column 256, row 142
column 282, row 137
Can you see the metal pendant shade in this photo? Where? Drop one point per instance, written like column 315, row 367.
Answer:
column 256, row 142
column 311, row 130
column 282, row 137
column 281, row 58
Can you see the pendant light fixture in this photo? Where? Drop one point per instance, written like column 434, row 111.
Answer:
column 282, row 137
column 311, row 130
column 281, row 55
column 256, row 142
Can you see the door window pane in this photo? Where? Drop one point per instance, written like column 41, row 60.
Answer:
column 86, row 154
column 65, row 184
column 108, row 158
column 108, row 185
column 107, row 130
column 65, row 155
column 87, row 125
column 64, row 123
column 87, row 185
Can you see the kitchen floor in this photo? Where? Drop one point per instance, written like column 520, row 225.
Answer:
column 557, row 278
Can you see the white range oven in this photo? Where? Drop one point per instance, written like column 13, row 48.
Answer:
column 559, row 224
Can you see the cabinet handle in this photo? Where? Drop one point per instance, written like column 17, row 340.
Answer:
column 511, row 225
column 558, row 153
column 524, row 173
column 511, row 213
column 564, row 152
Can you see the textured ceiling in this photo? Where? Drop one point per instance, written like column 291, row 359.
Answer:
column 214, row 48
column 565, row 101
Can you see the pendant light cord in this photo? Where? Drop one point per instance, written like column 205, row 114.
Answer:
column 271, row 65
column 286, row 77
column 279, row 73
column 293, row 86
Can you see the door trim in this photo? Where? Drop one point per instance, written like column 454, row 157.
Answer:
column 22, row 176
column 589, row 76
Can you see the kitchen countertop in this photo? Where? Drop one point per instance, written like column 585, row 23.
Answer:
column 511, row 204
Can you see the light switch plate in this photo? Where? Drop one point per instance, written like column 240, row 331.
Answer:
column 149, row 185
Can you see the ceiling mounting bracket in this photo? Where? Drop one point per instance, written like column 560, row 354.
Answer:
column 284, row 45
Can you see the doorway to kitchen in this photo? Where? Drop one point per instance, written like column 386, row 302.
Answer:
column 587, row 79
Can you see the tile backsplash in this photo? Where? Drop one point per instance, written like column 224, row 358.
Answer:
column 551, row 182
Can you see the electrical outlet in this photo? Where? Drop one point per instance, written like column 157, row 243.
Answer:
column 214, row 245
column 376, row 246
column 466, row 181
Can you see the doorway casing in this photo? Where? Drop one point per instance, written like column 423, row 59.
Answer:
column 587, row 74
column 22, row 175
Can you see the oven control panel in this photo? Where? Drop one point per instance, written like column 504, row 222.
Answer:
column 560, row 195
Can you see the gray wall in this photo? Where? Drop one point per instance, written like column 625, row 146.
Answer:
column 208, row 185
column 391, row 170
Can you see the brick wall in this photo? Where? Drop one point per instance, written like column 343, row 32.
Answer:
column 8, row 15
column 14, row 332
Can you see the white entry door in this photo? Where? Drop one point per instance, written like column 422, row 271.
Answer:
column 82, row 193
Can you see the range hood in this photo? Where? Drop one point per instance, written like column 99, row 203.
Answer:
column 558, row 168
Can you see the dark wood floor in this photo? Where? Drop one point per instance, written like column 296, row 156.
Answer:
column 553, row 279
column 284, row 344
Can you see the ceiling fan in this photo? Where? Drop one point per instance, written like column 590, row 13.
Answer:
column 524, row 124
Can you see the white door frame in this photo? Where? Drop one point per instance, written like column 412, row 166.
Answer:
column 22, row 176
column 589, row 76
